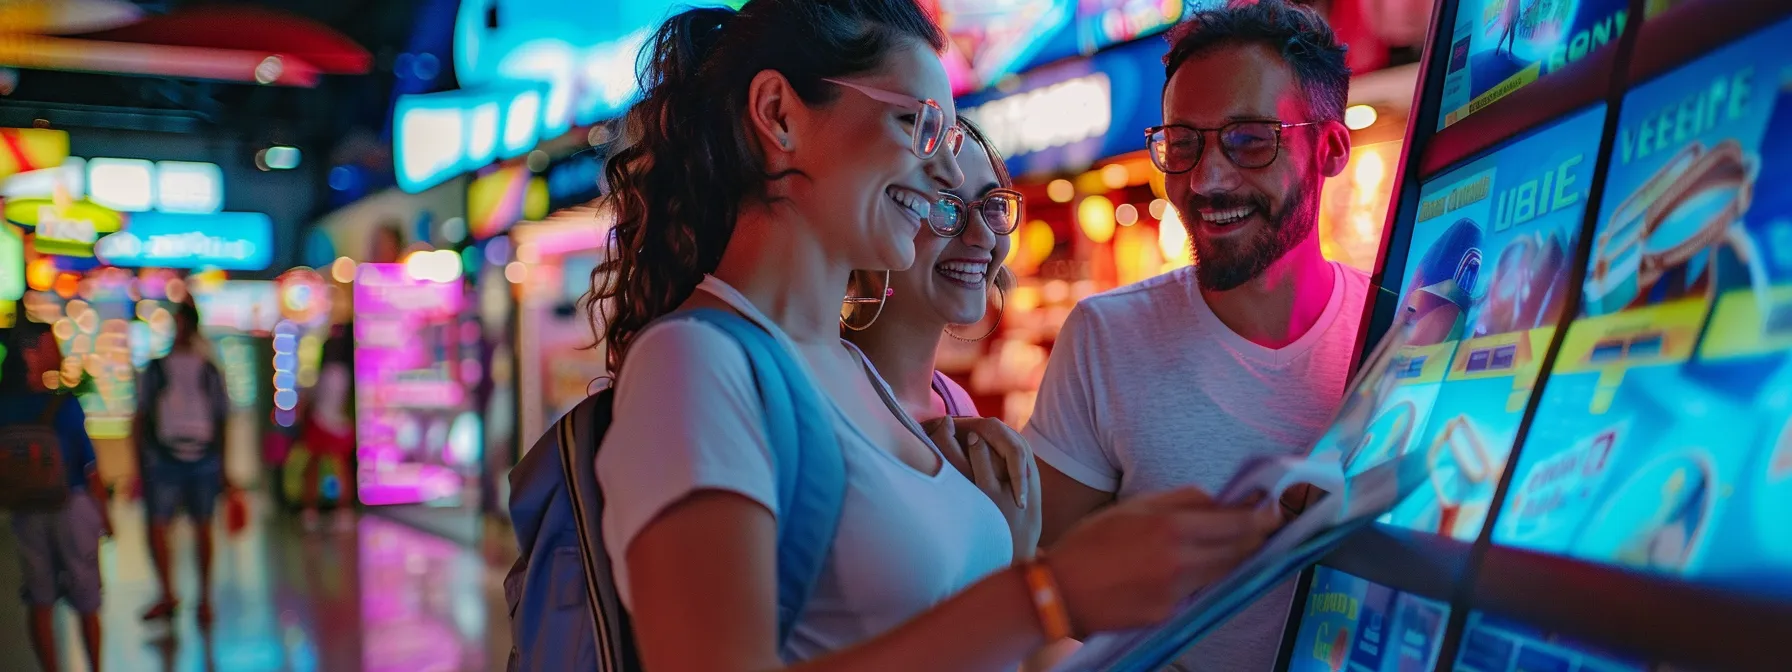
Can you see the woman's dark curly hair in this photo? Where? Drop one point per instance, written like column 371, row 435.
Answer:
column 689, row 161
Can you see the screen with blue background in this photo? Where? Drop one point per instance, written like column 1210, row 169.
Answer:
column 1354, row 625
column 1500, row 46
column 233, row 241
column 1662, row 441
column 1491, row 644
column 1490, row 256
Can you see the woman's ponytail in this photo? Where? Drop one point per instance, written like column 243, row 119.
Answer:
column 687, row 164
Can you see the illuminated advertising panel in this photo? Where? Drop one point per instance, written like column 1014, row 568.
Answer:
column 528, row 70
column 1492, row 239
column 1500, row 46
column 1354, row 625
column 409, row 396
column 233, row 241
column 1661, row 443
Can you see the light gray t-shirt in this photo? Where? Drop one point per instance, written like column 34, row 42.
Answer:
column 688, row 418
column 1147, row 391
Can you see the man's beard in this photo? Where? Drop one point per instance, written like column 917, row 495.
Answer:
column 1226, row 264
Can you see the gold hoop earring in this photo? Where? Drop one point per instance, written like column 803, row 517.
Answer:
column 851, row 302
column 1001, row 308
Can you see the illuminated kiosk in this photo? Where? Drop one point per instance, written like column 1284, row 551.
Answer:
column 1610, row 455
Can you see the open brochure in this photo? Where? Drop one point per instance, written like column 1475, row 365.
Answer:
column 1368, row 493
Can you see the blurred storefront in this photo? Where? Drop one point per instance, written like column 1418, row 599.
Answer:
column 105, row 246
column 1096, row 218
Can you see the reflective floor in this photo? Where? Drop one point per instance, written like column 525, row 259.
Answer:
column 371, row 594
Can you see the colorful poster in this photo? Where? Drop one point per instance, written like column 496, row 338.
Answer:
column 408, row 388
column 1659, row 443
column 1500, row 46
column 1495, row 645
column 1490, row 256
column 1353, row 625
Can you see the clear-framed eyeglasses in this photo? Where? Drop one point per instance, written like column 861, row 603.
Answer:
column 1176, row 148
column 932, row 130
column 1000, row 210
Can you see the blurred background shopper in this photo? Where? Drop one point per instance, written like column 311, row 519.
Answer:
column 59, row 544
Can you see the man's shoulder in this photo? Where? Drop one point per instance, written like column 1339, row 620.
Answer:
column 1137, row 299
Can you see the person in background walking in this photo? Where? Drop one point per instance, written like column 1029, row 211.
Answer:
column 59, row 547
column 179, row 432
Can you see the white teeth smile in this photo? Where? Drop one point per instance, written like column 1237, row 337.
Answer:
column 963, row 272
column 915, row 205
column 1226, row 216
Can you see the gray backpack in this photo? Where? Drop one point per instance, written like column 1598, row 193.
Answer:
column 32, row 475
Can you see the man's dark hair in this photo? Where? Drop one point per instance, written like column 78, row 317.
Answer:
column 1296, row 32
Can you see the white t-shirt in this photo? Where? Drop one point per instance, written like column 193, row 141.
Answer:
column 687, row 417
column 1147, row 391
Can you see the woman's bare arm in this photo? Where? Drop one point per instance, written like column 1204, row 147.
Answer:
column 702, row 575
column 704, row 601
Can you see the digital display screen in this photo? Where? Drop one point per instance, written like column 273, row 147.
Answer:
column 1492, row 644
column 1354, row 625
column 1500, row 46
column 1661, row 442
column 409, row 394
column 1489, row 266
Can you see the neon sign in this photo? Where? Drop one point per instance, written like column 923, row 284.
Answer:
column 63, row 227
column 26, row 149
column 528, row 69
column 233, row 241
column 1052, row 116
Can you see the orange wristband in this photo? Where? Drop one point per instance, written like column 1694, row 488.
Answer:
column 1042, row 587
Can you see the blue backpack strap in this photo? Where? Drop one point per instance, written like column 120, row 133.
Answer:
column 806, row 455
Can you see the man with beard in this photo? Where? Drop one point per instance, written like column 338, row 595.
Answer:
column 1179, row 379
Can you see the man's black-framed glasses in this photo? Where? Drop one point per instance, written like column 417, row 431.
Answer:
column 1176, row 148
column 951, row 215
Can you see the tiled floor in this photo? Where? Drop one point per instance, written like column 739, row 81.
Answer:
column 378, row 596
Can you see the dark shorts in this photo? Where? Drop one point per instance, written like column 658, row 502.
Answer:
column 59, row 552
column 171, row 486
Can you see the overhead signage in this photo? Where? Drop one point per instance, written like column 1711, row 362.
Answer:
column 1067, row 116
column 136, row 185
column 233, row 241
column 125, row 185
column 189, row 187
column 68, row 179
column 23, row 150
column 439, row 135
column 528, row 70
column 67, row 228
